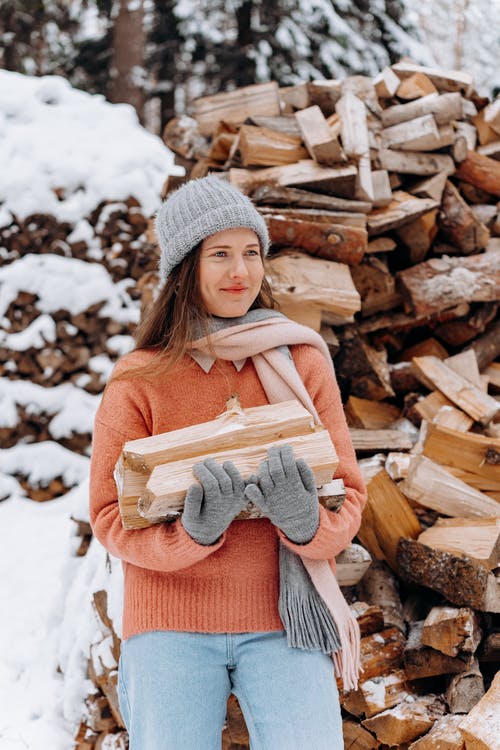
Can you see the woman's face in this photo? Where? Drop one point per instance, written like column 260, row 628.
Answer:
column 230, row 272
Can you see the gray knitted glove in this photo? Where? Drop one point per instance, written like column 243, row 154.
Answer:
column 211, row 505
column 286, row 494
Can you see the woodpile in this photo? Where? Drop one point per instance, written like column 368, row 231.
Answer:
column 381, row 196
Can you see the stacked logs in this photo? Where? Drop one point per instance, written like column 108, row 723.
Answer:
column 384, row 230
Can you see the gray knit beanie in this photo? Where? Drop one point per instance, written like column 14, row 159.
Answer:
column 198, row 209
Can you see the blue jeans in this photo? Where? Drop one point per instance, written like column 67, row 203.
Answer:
column 173, row 689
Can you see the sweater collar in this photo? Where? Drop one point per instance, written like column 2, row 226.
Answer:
column 205, row 361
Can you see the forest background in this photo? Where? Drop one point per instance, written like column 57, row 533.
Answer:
column 158, row 55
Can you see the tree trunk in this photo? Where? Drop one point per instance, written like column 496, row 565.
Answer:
column 128, row 56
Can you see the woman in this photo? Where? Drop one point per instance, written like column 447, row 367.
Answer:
column 214, row 605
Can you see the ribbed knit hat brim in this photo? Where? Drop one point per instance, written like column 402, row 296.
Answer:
column 199, row 209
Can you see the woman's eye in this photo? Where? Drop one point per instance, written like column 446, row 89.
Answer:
column 252, row 252
column 220, row 253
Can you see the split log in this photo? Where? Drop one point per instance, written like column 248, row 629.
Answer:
column 306, row 173
column 322, row 146
column 404, row 208
column 381, row 245
column 335, row 242
column 386, row 83
column 465, row 690
column 300, row 281
column 485, row 133
column 380, row 440
column 381, row 653
column 363, row 369
column 325, row 94
column 370, row 415
column 370, row 618
column 491, row 149
column 387, row 517
column 443, row 80
column 421, row 661
column 416, row 86
column 376, row 285
column 419, row 235
column 432, row 188
column 354, row 130
column 432, row 486
column 443, row 108
column 440, row 283
column 377, row 694
column 419, row 134
column 468, row 132
column 492, row 115
column 469, row 398
column 459, row 579
column 381, row 188
column 295, row 97
column 452, row 630
column 266, row 147
column 438, row 409
column 481, row 727
column 487, row 347
column 167, row 486
column 480, row 171
column 479, row 540
column 236, row 106
column 352, row 564
column 459, row 225
column 466, row 363
column 407, row 721
column 379, row 587
column 466, row 451
column 415, row 162
column 276, row 195
column 490, row 648
column 357, row 738
column 444, row 735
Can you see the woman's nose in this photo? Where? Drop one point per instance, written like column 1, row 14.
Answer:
column 238, row 267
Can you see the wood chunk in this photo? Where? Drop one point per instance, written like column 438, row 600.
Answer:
column 478, row 541
column 419, row 134
column 382, row 193
column 357, row 738
column 305, row 173
column 419, row 235
column 298, row 279
column 481, row 727
column 236, row 106
column 244, row 426
column 352, row 564
column 415, row 162
column 370, row 415
column 440, row 283
column 376, row 285
column 376, row 695
column 325, row 94
column 466, row 451
column 320, row 143
column 459, row 579
column 404, row 208
column 416, row 86
column 265, row 147
column 444, row 108
column 432, row 486
column 432, row 188
column 285, row 124
column 491, row 150
column 458, row 224
column 490, row 648
column 485, row 133
column 381, row 245
column 423, row 347
column 364, row 189
column 381, row 652
column 354, row 130
column 451, row 630
column 379, row 588
column 321, row 216
column 492, row 372
column 406, row 721
column 465, row 690
column 386, row 83
column 296, row 97
column 480, row 171
column 487, row 347
column 294, row 197
column 334, row 242
column 443, row 80
column 460, row 391
column 167, row 486
column 492, row 115
column 380, row 440
column 444, row 735
column 370, row 618
column 364, row 369
column 387, row 517
column 421, row 661
column 465, row 363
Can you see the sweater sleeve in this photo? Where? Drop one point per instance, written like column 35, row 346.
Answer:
column 336, row 529
column 163, row 547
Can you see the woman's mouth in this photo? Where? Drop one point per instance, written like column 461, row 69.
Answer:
column 235, row 289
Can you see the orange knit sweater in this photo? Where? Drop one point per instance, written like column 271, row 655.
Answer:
column 172, row 582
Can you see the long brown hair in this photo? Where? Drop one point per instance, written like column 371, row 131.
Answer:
column 177, row 316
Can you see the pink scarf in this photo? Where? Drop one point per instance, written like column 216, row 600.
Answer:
column 259, row 340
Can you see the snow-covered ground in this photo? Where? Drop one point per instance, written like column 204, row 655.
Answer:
column 62, row 152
